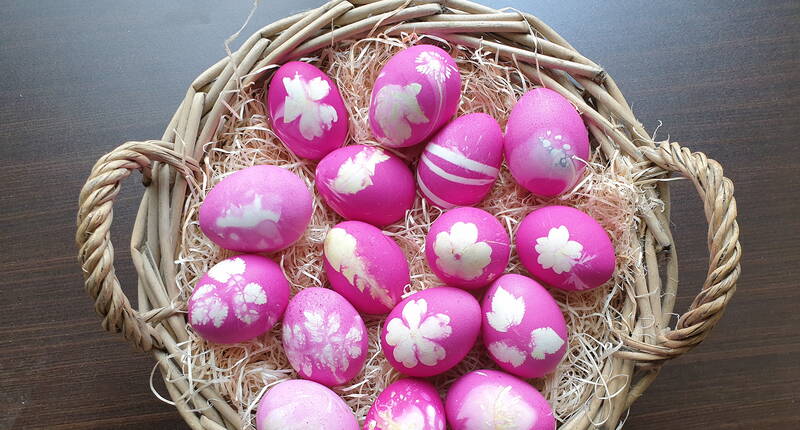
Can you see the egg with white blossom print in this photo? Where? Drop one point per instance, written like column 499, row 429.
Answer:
column 565, row 248
column 324, row 337
column 409, row 403
column 431, row 331
column 467, row 247
column 296, row 404
column 307, row 111
column 238, row 299
column 416, row 92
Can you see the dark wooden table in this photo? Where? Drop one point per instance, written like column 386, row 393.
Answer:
column 80, row 77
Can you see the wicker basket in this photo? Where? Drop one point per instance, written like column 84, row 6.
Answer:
column 168, row 165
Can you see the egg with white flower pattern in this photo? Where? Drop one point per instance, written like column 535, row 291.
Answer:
column 307, row 111
column 409, row 403
column 238, row 299
column 467, row 247
column 324, row 337
column 565, row 248
column 431, row 331
column 296, row 404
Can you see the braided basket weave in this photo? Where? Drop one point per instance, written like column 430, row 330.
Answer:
column 170, row 165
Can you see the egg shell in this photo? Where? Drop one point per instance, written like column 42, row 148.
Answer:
column 565, row 248
column 467, row 247
column 460, row 164
column 300, row 404
column 366, row 183
column 431, row 331
column 416, row 92
column 324, row 337
column 545, row 142
column 407, row 404
column 487, row 399
column 238, row 299
column 307, row 111
column 256, row 209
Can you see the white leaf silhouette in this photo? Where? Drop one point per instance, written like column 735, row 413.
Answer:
column 355, row 174
column 340, row 249
column 507, row 310
column 396, row 108
column 413, row 335
column 226, row 269
column 495, row 407
column 459, row 253
column 507, row 353
column 545, row 340
column 302, row 100
column 556, row 251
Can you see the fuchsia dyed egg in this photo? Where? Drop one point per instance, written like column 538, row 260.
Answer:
column 303, row 405
column 307, row 111
column 563, row 247
column 467, row 247
column 431, row 331
column 545, row 142
column 488, row 399
column 407, row 404
column 257, row 209
column 325, row 339
column 366, row 183
column 238, row 299
column 523, row 328
column 416, row 92
column 461, row 162
column 365, row 266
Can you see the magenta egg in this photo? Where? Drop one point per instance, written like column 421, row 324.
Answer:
column 488, row 399
column 467, row 247
column 563, row 247
column 461, row 162
column 416, row 92
column 431, row 331
column 546, row 143
column 300, row 404
column 238, row 299
column 257, row 209
column 307, row 111
column 366, row 183
column 324, row 337
column 407, row 404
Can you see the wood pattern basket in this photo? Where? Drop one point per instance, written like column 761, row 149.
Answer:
column 543, row 56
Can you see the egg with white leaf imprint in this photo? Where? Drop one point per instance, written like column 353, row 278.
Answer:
column 409, row 403
column 296, row 404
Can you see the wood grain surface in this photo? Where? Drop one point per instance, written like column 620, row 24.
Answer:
column 80, row 77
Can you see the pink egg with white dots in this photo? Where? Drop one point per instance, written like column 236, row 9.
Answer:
column 461, row 162
column 366, row 183
column 238, row 299
column 407, row 404
column 303, row 405
column 565, row 248
column 546, row 143
column 324, row 337
column 523, row 327
column 467, row 247
column 256, row 209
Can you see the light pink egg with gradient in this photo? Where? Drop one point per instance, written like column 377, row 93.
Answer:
column 300, row 404
column 407, row 404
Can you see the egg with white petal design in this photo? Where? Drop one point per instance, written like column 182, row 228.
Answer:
column 407, row 404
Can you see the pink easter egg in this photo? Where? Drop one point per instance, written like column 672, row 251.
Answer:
column 546, row 143
column 257, row 209
column 563, row 247
column 416, row 92
column 461, row 162
column 467, row 247
column 324, row 337
column 303, row 405
column 523, row 328
column 488, row 399
column 431, row 331
column 307, row 111
column 366, row 183
column 238, row 299
column 411, row 404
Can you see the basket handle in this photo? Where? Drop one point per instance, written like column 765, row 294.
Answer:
column 96, row 253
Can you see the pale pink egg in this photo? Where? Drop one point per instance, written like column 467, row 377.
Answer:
column 411, row 404
column 416, row 92
column 488, row 399
column 366, row 183
column 431, row 331
column 305, row 405
column 324, row 337
column 565, row 248
column 238, row 299
column 467, row 247
column 461, row 162
column 523, row 328
column 365, row 266
column 307, row 111
column 546, row 143
column 257, row 209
